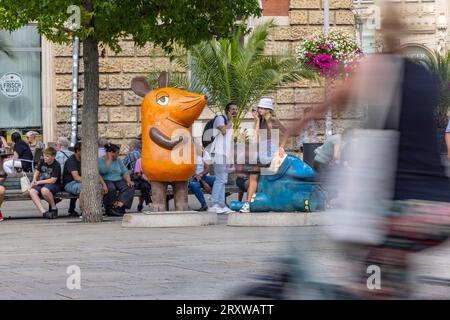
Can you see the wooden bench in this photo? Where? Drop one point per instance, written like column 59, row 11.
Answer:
column 14, row 193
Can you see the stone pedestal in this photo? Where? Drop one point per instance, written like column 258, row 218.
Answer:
column 276, row 219
column 169, row 219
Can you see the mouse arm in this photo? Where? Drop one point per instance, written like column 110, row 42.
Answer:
column 162, row 140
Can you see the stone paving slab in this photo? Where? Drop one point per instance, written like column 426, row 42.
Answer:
column 276, row 219
column 207, row 262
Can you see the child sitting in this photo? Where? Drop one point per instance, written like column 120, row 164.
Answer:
column 46, row 183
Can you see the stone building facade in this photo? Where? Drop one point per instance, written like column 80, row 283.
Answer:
column 119, row 113
column 427, row 20
column 301, row 19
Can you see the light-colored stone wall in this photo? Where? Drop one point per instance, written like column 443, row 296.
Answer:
column 306, row 18
column 119, row 113
column 119, row 107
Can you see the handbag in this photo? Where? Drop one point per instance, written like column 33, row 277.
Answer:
column 25, row 183
column 366, row 185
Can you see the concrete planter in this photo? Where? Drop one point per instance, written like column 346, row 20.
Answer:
column 274, row 219
column 169, row 219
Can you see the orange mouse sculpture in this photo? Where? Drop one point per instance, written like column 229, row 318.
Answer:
column 167, row 146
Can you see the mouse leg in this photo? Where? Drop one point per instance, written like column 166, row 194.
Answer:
column 180, row 189
column 159, row 191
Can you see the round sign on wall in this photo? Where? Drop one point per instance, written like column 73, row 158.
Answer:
column 11, row 85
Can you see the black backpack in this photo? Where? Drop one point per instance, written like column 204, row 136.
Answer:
column 206, row 141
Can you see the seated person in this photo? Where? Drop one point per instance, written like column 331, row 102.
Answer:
column 327, row 154
column 101, row 146
column 267, row 126
column 3, row 143
column 117, row 179
column 63, row 153
column 242, row 184
column 141, row 183
column 46, row 183
column 2, row 193
column 201, row 179
column 133, row 155
column 33, row 142
column 21, row 151
column 72, row 178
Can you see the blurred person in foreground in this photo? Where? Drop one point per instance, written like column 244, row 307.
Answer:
column 418, row 214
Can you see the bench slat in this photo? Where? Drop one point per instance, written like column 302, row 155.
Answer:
column 16, row 194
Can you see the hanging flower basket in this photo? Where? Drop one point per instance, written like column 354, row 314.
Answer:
column 332, row 55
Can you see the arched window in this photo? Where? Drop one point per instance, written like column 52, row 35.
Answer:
column 416, row 52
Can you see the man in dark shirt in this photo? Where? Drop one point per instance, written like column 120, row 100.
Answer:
column 46, row 183
column 72, row 177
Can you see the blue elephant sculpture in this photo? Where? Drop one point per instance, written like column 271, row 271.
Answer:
column 292, row 188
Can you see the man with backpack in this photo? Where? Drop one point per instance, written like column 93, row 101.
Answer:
column 62, row 155
column 220, row 148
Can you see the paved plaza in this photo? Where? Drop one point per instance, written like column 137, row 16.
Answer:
column 155, row 263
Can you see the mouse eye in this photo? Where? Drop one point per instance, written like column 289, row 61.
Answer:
column 163, row 101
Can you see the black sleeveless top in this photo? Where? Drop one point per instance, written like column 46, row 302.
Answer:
column 420, row 172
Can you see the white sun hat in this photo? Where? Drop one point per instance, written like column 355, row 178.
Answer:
column 265, row 103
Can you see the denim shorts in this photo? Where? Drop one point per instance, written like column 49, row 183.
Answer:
column 73, row 187
column 54, row 188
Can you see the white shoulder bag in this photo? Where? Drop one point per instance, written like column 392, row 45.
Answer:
column 25, row 183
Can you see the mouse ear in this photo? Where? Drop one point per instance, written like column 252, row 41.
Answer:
column 163, row 80
column 140, row 86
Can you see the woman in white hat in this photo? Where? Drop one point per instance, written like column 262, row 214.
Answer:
column 267, row 128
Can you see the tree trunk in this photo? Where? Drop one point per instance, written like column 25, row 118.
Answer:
column 92, row 209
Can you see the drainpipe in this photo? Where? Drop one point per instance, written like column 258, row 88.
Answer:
column 326, row 30
column 74, row 113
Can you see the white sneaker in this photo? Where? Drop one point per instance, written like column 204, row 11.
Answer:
column 245, row 208
column 214, row 209
column 224, row 210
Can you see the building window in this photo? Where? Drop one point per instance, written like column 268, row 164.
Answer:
column 20, row 80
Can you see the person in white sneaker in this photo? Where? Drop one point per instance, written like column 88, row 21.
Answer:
column 268, row 129
column 221, row 157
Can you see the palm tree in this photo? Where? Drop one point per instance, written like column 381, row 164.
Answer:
column 227, row 70
column 439, row 64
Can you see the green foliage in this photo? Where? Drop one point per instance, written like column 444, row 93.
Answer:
column 439, row 64
column 176, row 80
column 228, row 71
column 163, row 22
